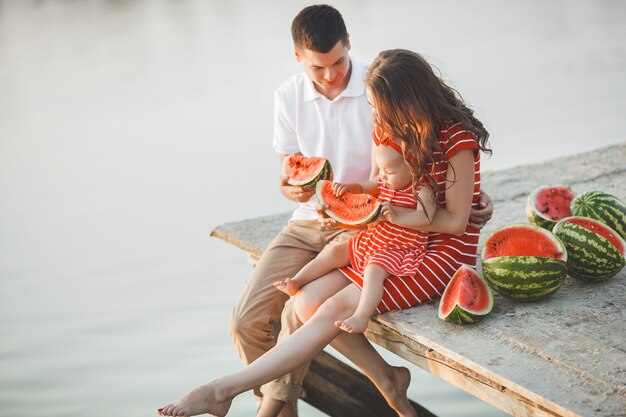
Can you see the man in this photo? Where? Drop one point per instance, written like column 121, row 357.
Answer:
column 322, row 111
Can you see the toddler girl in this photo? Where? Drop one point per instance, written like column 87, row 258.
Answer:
column 393, row 245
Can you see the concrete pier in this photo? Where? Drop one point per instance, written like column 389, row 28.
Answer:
column 563, row 356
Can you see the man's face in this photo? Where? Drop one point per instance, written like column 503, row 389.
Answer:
column 328, row 71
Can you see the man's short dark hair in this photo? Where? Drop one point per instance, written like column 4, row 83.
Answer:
column 318, row 28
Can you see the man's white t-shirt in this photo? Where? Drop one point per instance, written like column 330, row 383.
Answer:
column 339, row 130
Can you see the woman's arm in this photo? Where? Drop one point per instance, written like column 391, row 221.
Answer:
column 460, row 188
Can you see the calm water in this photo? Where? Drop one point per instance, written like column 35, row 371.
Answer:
column 129, row 129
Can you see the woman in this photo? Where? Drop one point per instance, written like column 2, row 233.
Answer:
column 440, row 140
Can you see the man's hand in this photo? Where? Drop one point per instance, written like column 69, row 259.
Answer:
column 480, row 216
column 295, row 193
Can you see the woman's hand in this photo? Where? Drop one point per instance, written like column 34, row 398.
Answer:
column 480, row 216
column 295, row 193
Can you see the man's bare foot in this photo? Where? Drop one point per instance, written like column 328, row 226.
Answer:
column 354, row 324
column 288, row 286
column 394, row 391
column 206, row 399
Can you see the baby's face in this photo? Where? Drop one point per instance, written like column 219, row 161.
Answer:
column 394, row 172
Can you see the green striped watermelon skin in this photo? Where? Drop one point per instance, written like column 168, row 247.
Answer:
column 525, row 278
column 590, row 256
column 458, row 315
column 475, row 302
column 603, row 207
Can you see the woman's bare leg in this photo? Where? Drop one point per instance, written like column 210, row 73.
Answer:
column 215, row 397
column 307, row 301
column 335, row 255
column 373, row 280
column 392, row 381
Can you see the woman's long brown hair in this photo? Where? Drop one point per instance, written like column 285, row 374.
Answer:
column 412, row 104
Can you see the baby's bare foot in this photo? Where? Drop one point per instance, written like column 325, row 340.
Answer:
column 288, row 286
column 354, row 324
column 206, row 399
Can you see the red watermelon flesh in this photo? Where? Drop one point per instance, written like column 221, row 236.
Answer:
column 601, row 229
column 467, row 290
column 553, row 202
column 522, row 240
column 348, row 208
column 306, row 171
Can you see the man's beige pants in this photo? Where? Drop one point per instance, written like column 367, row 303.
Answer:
column 261, row 306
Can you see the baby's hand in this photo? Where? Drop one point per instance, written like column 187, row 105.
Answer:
column 388, row 212
column 339, row 188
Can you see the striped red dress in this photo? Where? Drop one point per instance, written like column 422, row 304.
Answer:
column 396, row 249
column 444, row 252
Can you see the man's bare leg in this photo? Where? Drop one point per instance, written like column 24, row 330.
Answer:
column 333, row 256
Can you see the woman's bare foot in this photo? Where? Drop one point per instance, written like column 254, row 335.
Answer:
column 206, row 399
column 288, row 286
column 394, row 391
column 354, row 324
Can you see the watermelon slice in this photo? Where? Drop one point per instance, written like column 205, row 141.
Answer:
column 466, row 299
column 348, row 209
column 524, row 262
column 304, row 171
column 548, row 204
column 595, row 250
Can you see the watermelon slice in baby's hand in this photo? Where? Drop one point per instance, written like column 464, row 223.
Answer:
column 347, row 209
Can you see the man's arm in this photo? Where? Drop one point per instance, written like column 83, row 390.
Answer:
column 480, row 216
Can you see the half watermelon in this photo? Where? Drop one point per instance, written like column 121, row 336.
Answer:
column 348, row 209
column 548, row 204
column 305, row 172
column 524, row 262
column 466, row 299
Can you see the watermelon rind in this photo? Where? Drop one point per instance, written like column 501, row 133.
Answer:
column 603, row 207
column 591, row 257
column 370, row 217
column 525, row 278
column 533, row 215
column 325, row 172
column 464, row 314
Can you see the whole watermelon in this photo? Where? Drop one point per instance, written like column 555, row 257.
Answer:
column 524, row 262
column 603, row 207
column 595, row 251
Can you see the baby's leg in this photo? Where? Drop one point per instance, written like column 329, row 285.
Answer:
column 335, row 255
column 373, row 280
